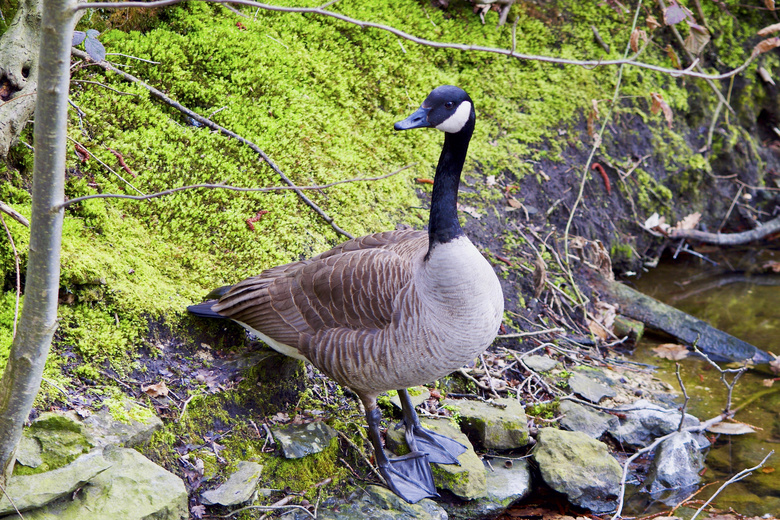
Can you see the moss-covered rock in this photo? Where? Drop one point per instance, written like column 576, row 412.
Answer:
column 500, row 425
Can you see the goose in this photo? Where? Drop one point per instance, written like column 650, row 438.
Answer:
column 387, row 311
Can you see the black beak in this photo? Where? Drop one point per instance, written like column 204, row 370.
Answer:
column 417, row 120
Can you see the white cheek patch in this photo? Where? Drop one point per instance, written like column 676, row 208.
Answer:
column 456, row 121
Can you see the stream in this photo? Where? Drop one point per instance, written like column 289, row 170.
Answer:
column 747, row 307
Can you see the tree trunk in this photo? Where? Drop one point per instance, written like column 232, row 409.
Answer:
column 22, row 377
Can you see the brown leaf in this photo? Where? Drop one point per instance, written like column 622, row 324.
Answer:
column 671, row 351
column 156, row 390
column 697, row 39
column 769, row 29
column 514, row 202
column 597, row 329
column 767, row 470
column 540, row 276
column 652, row 23
column 673, row 56
column 765, row 46
column 636, row 34
column 660, row 105
column 689, row 222
column 727, row 428
column 770, row 4
column 769, row 383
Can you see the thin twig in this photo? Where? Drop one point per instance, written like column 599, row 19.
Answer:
column 224, row 187
column 686, row 398
column 556, row 330
column 18, row 276
column 104, row 86
column 11, row 500
column 11, row 212
column 104, row 165
column 626, row 60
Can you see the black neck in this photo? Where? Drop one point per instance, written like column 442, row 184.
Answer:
column 443, row 225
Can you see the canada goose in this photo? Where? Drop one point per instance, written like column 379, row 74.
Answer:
column 390, row 310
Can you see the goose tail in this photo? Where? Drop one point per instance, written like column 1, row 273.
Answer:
column 203, row 310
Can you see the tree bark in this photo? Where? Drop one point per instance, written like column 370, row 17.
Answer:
column 22, row 377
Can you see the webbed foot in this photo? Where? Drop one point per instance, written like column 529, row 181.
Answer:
column 409, row 477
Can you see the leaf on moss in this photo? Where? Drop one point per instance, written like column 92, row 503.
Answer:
column 675, row 13
column 95, row 49
column 673, row 56
column 652, row 23
column 636, row 34
column 697, row 39
column 659, row 105
column 156, row 390
column 765, row 46
column 769, row 29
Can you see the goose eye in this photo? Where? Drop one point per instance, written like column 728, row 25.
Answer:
column 449, row 104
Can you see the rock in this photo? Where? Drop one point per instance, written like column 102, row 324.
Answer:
column 376, row 503
column 299, row 440
column 499, row 426
column 587, row 385
column 240, row 487
column 34, row 491
column 644, row 421
column 467, row 481
column 624, row 326
column 580, row 418
column 102, row 429
column 508, row 482
column 131, row 487
column 677, row 463
column 540, row 363
column 578, row 466
column 28, row 452
column 61, row 437
column 417, row 394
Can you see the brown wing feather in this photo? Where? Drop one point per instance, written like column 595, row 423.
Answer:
column 351, row 286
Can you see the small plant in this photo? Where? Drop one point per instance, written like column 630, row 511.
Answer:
column 93, row 47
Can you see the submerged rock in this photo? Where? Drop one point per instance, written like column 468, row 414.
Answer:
column 467, row 481
column 123, row 485
column 580, row 418
column 499, row 426
column 644, row 421
column 677, row 463
column 299, row 440
column 508, row 482
column 240, row 487
column 579, row 467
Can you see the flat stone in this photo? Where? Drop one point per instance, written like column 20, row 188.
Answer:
column 508, row 482
column 376, row 503
column 589, row 387
column 579, row 467
column 240, row 487
column 418, row 395
column 299, row 440
column 35, row 491
column 61, row 438
column 467, row 481
column 499, row 426
column 540, row 363
column 131, row 488
column 102, row 429
column 644, row 421
column 581, row 418
column 28, row 452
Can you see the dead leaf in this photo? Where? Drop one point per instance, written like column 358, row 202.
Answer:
column 770, row 4
column 658, row 222
column 765, row 45
column 470, row 210
column 768, row 382
column 675, row 13
column 198, row 511
column 697, row 39
column 652, row 23
column 728, row 428
column 769, row 29
column 156, row 390
column 597, row 329
column 514, row 202
column 673, row 56
column 659, row 105
column 540, row 276
column 689, row 222
column 766, row 76
column 636, row 34
column 767, row 470
column 772, row 265
column 671, row 351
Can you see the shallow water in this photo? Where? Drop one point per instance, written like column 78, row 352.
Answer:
column 747, row 307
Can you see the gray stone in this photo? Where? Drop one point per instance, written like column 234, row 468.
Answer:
column 376, row 503
column 540, row 363
column 644, row 421
column 34, row 491
column 467, row 481
column 28, row 452
column 240, row 487
column 131, row 488
column 589, row 387
column 677, row 463
column 508, row 482
column 579, row 467
column 418, row 395
column 580, row 418
column 299, row 440
column 499, row 426
column 61, row 438
column 103, row 429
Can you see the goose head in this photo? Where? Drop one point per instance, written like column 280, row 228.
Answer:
column 447, row 108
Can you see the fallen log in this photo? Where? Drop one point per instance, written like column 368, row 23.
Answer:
column 661, row 317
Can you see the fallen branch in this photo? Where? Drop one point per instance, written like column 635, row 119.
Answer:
column 11, row 212
column 729, row 239
column 211, row 124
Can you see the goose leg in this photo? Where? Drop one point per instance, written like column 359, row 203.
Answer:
column 440, row 449
column 408, row 476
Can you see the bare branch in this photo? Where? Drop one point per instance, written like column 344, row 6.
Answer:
column 224, row 187
column 21, row 219
column 729, row 239
column 439, row 45
column 685, row 395
column 18, row 275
